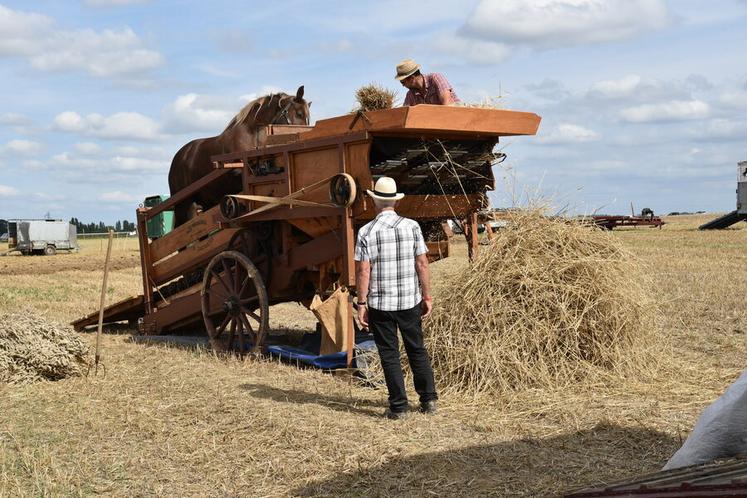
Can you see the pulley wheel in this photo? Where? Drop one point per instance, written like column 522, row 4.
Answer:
column 342, row 190
column 230, row 207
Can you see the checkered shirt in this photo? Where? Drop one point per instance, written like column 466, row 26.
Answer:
column 391, row 242
column 435, row 83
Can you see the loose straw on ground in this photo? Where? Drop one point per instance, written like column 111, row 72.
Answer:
column 546, row 303
column 33, row 348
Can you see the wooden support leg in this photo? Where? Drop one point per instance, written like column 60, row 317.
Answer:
column 145, row 263
column 470, row 233
column 348, row 276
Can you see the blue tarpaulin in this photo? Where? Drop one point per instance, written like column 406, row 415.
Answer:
column 308, row 352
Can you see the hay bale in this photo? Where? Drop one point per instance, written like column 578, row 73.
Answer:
column 545, row 304
column 33, row 348
column 374, row 97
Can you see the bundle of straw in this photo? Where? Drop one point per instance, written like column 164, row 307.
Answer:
column 374, row 97
column 33, row 348
column 545, row 304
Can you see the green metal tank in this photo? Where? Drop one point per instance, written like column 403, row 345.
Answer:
column 159, row 225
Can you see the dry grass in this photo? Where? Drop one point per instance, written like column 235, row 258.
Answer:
column 174, row 422
column 547, row 303
column 373, row 97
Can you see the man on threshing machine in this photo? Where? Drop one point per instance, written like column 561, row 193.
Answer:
column 431, row 88
column 393, row 287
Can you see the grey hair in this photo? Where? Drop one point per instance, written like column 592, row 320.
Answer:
column 384, row 203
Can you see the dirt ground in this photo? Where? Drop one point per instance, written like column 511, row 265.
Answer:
column 165, row 421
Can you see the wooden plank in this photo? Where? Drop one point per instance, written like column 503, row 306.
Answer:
column 126, row 309
column 312, row 167
column 190, row 258
column 186, row 192
column 194, row 229
column 316, row 226
column 432, row 206
column 431, row 118
column 179, row 309
column 315, row 252
column 471, row 120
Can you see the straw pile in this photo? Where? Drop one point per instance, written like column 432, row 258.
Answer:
column 374, row 97
column 33, row 348
column 546, row 303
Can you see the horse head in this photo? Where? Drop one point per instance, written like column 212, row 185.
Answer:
column 277, row 108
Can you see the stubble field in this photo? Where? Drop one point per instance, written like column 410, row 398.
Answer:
column 164, row 421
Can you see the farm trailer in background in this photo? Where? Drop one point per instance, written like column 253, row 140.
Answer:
column 41, row 236
column 289, row 235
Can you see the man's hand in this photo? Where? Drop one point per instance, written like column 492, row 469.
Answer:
column 363, row 316
column 426, row 306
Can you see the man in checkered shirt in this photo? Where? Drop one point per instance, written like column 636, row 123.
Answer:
column 393, row 286
column 431, row 88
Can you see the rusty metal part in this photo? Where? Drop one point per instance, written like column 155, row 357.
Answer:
column 610, row 222
column 234, row 304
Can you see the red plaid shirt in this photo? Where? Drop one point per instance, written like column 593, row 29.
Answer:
column 435, row 84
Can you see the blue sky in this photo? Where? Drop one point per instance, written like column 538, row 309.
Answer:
column 643, row 101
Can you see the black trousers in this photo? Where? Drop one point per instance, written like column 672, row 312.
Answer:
column 383, row 325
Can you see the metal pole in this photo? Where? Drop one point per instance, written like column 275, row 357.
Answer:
column 103, row 298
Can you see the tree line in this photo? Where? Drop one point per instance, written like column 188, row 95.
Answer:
column 101, row 227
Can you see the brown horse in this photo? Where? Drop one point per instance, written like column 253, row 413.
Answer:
column 193, row 160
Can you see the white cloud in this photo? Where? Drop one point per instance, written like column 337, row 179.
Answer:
column 87, row 148
column 193, row 112
column 675, row 110
column 735, row 98
column 109, row 3
column 554, row 23
column 14, row 119
column 114, row 164
column 120, row 125
column 100, row 53
column 7, row 191
column 569, row 133
column 264, row 90
column 118, row 196
column 623, row 87
column 475, row 51
column 34, row 165
column 23, row 147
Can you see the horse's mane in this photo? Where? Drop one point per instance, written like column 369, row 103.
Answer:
column 243, row 114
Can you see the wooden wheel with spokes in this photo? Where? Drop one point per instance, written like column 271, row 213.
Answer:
column 234, row 304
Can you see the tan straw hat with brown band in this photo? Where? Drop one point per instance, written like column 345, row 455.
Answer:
column 406, row 68
column 385, row 190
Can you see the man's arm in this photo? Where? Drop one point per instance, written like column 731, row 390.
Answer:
column 445, row 97
column 362, row 278
column 424, row 276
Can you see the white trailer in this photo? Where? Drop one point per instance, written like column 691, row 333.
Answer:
column 42, row 236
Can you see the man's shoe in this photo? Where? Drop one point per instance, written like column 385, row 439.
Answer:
column 428, row 407
column 392, row 415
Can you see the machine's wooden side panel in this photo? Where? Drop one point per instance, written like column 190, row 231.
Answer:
column 193, row 230
column 309, row 167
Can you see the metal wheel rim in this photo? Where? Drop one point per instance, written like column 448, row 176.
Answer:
column 234, row 304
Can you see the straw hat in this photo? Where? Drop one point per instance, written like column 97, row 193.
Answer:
column 406, row 68
column 385, row 190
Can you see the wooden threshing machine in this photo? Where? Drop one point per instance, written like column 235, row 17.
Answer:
column 290, row 234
